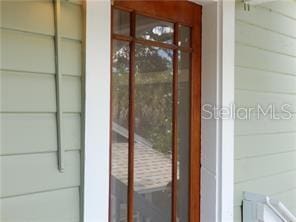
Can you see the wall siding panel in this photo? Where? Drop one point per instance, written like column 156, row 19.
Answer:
column 252, row 57
column 264, row 126
column 37, row 133
column 71, row 22
column 16, row 46
column 30, row 16
column 286, row 8
column 27, row 52
column 71, row 57
column 281, row 102
column 264, row 39
column 23, row 174
column 72, row 131
column 257, row 167
column 71, row 94
column 266, row 19
column 36, row 92
column 257, row 80
column 53, row 206
column 265, row 149
column 260, row 145
column 32, row 188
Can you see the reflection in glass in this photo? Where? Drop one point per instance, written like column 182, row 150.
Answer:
column 183, row 135
column 184, row 36
column 119, row 149
column 154, row 30
column 153, row 139
column 121, row 22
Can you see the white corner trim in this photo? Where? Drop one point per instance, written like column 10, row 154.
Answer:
column 217, row 179
column 97, row 111
column 227, row 74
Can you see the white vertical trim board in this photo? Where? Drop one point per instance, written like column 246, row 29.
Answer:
column 97, row 111
column 226, row 154
column 209, row 137
column 217, row 177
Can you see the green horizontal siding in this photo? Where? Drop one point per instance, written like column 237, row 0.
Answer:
column 38, row 17
column 22, row 51
column 250, row 79
column 37, row 132
column 32, row 188
column 36, row 92
column 265, row 149
column 59, row 205
column 30, row 173
column 27, row 52
column 264, row 144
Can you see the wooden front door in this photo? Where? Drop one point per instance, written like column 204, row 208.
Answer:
column 155, row 119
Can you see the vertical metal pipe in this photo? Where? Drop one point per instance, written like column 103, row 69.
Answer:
column 58, row 77
column 82, row 142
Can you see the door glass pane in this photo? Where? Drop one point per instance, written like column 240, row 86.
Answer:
column 183, row 135
column 153, row 139
column 121, row 22
column 119, row 148
column 154, row 30
column 184, row 36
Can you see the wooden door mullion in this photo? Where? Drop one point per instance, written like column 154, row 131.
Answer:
column 131, row 125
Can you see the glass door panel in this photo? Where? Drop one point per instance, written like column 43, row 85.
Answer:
column 153, row 124
column 119, row 136
column 121, row 22
column 154, row 30
column 184, row 39
column 183, row 135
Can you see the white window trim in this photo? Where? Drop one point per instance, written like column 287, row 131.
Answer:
column 217, row 177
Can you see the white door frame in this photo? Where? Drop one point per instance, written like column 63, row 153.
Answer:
column 217, row 89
